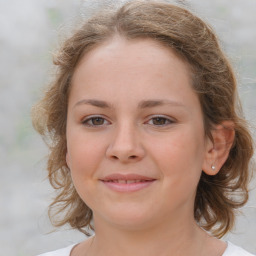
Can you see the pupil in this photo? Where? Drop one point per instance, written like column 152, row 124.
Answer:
column 159, row 120
column 97, row 121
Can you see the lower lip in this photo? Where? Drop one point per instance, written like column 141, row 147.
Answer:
column 128, row 187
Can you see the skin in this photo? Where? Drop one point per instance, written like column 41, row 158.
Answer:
column 132, row 109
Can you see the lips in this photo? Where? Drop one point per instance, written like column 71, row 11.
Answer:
column 127, row 182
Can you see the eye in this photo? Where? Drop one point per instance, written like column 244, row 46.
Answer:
column 95, row 121
column 160, row 121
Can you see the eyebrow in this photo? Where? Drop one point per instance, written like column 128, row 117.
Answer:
column 155, row 103
column 93, row 102
column 143, row 104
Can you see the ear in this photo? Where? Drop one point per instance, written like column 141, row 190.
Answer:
column 217, row 150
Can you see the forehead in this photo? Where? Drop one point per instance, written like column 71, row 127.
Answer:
column 125, row 73
column 136, row 60
column 140, row 64
column 142, row 54
column 137, row 51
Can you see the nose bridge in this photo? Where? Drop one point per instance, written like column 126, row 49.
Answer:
column 125, row 144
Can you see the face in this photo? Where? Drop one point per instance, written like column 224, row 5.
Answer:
column 135, row 134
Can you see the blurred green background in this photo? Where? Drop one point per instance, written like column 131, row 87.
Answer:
column 29, row 32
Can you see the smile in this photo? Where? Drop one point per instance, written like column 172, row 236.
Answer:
column 127, row 183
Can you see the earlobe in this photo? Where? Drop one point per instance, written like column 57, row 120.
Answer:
column 217, row 149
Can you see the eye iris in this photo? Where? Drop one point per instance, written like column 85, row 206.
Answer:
column 97, row 121
column 159, row 121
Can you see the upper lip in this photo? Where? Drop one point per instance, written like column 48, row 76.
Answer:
column 130, row 176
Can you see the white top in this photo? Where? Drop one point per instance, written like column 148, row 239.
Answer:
column 61, row 252
column 232, row 250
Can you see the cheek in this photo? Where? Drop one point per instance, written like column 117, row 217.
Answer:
column 181, row 154
column 84, row 155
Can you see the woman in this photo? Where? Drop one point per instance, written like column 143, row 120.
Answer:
column 148, row 146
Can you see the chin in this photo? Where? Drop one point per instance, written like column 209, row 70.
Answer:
column 127, row 219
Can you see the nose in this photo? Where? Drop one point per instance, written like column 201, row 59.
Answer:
column 126, row 145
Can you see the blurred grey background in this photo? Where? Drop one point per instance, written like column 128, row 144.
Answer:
column 29, row 32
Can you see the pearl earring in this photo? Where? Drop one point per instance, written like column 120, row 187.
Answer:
column 213, row 167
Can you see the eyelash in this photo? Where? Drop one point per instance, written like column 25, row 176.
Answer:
column 162, row 118
column 89, row 121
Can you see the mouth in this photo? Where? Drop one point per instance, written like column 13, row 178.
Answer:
column 127, row 183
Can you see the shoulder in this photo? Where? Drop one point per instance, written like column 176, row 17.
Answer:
column 233, row 250
column 61, row 252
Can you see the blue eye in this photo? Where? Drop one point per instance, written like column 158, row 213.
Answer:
column 160, row 121
column 95, row 121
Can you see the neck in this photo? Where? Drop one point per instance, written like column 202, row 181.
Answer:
column 174, row 239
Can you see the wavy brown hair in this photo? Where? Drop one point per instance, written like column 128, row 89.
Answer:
column 195, row 42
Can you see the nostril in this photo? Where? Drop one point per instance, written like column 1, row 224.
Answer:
column 132, row 157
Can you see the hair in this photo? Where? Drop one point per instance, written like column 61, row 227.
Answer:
column 194, row 41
